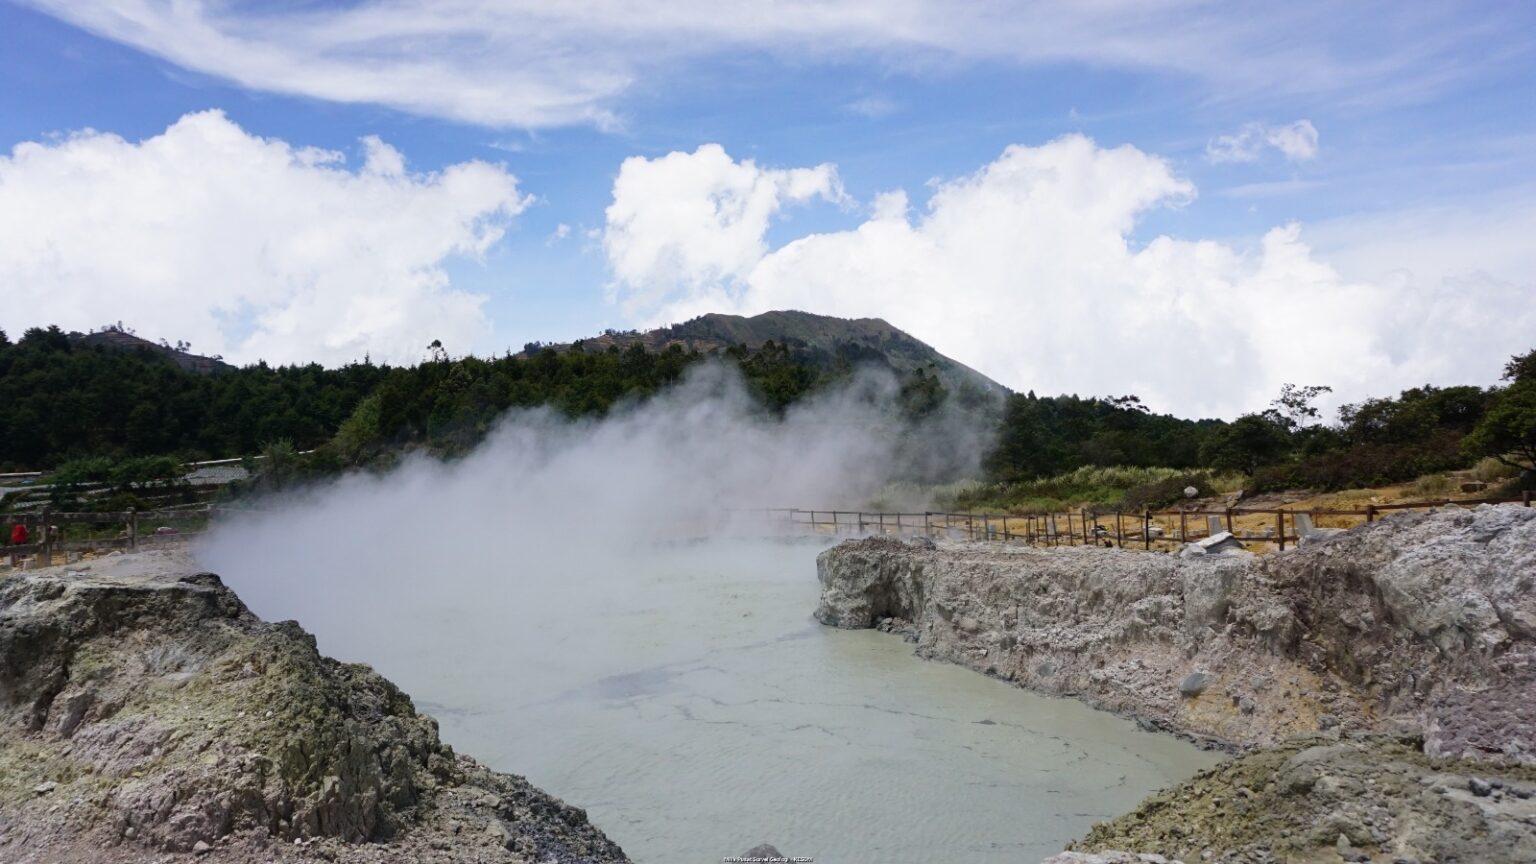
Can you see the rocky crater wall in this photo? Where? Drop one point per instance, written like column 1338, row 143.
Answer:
column 144, row 709
column 1420, row 624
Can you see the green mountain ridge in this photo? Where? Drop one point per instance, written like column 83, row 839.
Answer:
column 821, row 338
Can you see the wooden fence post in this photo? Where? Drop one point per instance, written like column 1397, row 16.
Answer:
column 1006, row 536
column 1119, row 531
column 133, row 528
column 1183, row 527
column 1146, row 530
column 1370, row 513
column 1280, row 528
column 970, row 527
column 45, row 549
column 1525, row 497
column 1229, row 522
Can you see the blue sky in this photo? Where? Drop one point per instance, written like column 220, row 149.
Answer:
column 1396, row 138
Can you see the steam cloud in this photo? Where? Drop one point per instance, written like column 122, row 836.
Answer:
column 550, row 513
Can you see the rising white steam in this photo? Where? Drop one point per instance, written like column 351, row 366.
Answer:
column 550, row 514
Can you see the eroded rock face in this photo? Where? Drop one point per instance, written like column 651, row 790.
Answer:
column 1360, row 798
column 1420, row 623
column 160, row 715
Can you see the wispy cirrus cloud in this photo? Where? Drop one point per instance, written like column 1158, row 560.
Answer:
column 1296, row 142
column 559, row 62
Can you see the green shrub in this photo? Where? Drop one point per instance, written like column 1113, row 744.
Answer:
column 1490, row 470
column 1431, row 486
column 1155, row 496
column 1100, row 487
column 1365, row 465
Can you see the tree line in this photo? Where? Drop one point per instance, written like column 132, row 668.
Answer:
column 62, row 402
column 1288, row 445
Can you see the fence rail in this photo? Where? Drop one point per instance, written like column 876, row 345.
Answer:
column 1148, row 529
column 48, row 539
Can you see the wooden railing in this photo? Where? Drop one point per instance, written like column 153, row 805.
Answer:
column 50, row 533
column 1147, row 529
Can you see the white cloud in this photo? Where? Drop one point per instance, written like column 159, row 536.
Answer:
column 1270, row 189
column 535, row 64
column 874, row 107
column 1297, row 142
column 694, row 219
column 246, row 246
column 1026, row 270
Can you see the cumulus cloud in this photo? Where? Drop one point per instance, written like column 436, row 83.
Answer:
column 535, row 64
column 696, row 219
column 1297, row 142
column 1027, row 270
column 246, row 246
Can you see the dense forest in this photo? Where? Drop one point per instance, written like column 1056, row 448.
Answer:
column 63, row 401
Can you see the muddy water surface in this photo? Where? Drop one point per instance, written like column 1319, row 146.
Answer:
column 692, row 706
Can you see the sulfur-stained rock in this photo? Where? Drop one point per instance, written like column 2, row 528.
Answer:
column 159, row 715
column 1419, row 622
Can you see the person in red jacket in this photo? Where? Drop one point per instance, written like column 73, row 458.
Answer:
column 18, row 538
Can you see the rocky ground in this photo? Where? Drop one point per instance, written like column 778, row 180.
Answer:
column 1321, row 799
column 146, row 715
column 1420, row 628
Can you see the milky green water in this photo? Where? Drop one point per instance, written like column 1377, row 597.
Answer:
column 695, row 709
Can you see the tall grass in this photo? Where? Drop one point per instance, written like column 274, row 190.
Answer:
column 1490, row 470
column 1431, row 486
column 1090, row 485
column 915, row 497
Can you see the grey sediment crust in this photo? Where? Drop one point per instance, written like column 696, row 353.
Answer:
column 145, row 710
column 1408, row 646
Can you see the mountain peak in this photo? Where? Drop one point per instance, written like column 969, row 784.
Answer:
column 859, row 339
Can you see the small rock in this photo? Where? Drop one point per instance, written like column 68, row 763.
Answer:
column 45, row 788
column 1480, row 787
column 201, row 847
column 498, row 834
column 1327, row 721
column 1194, row 684
column 1246, row 705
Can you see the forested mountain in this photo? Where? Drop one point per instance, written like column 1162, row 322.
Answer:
column 120, row 338
column 64, row 398
column 819, row 340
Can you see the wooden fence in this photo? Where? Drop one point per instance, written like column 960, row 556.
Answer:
column 1148, row 529
column 52, row 534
